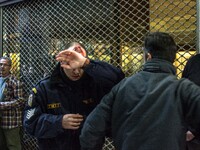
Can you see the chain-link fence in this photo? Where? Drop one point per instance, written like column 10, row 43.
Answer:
column 112, row 30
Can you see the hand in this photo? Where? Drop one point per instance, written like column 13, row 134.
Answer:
column 71, row 58
column 72, row 121
column 189, row 136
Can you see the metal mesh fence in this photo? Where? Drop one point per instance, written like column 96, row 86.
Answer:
column 112, row 30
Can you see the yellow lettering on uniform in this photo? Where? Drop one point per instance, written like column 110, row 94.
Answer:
column 53, row 106
column 88, row 101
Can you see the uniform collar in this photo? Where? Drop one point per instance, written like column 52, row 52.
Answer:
column 59, row 77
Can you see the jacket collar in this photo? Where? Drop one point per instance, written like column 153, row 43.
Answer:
column 56, row 77
column 59, row 77
column 159, row 66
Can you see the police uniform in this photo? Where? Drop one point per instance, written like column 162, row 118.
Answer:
column 57, row 95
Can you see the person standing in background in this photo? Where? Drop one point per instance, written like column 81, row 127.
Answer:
column 192, row 72
column 11, row 105
column 59, row 104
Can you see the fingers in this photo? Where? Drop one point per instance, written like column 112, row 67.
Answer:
column 76, row 119
column 75, row 123
column 64, row 53
column 63, row 56
column 66, row 56
column 62, row 59
column 64, row 62
column 72, row 59
column 72, row 50
column 72, row 121
column 69, row 51
column 66, row 66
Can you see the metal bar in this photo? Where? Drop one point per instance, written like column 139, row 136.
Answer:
column 1, row 31
column 9, row 2
column 198, row 27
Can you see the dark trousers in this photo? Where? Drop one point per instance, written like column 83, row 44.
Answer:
column 10, row 139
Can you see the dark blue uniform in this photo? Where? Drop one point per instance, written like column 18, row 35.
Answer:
column 56, row 95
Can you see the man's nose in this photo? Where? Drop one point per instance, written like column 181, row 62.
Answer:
column 76, row 71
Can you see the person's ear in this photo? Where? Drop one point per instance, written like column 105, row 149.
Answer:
column 149, row 56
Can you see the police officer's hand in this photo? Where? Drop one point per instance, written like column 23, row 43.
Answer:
column 71, row 58
column 72, row 121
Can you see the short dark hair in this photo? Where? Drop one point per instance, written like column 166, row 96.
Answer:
column 160, row 45
column 7, row 58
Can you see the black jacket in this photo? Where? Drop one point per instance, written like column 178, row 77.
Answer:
column 192, row 69
column 147, row 111
column 56, row 95
column 192, row 72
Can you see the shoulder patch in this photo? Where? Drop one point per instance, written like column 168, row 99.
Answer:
column 30, row 113
column 30, row 100
column 34, row 90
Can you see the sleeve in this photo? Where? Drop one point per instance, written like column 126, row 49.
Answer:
column 191, row 105
column 37, row 121
column 17, row 100
column 104, row 73
column 97, row 124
